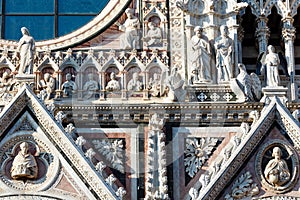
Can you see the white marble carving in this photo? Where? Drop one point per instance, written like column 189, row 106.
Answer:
column 130, row 38
column 60, row 116
column 47, row 86
column 277, row 172
column 121, row 192
column 135, row 84
column 100, row 166
column 69, row 86
column 224, row 55
column 90, row 153
column 113, row 152
column 80, row 142
column 110, row 180
column 175, row 84
column 243, row 188
column 272, row 62
column 113, row 84
column 246, row 87
column 26, row 47
column 90, row 87
column 153, row 36
column 24, row 165
column 201, row 57
column 197, row 152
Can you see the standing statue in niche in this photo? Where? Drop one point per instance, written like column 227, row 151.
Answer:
column 175, row 84
column 26, row 47
column 134, row 84
column 113, row 84
column 47, row 85
column 68, row 86
column 24, row 165
column 277, row 172
column 272, row 62
column 201, row 56
column 130, row 39
column 154, row 36
column 90, row 87
column 224, row 55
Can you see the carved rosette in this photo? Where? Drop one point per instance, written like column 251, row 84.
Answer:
column 48, row 164
column 277, row 175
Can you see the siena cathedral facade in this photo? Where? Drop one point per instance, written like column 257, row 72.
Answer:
column 151, row 99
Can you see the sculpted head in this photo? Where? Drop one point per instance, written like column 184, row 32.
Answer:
column 46, row 76
column 24, row 147
column 68, row 76
column 113, row 76
column 198, row 30
column 271, row 48
column 129, row 12
column 224, row 30
column 276, row 152
column 25, row 31
column 135, row 76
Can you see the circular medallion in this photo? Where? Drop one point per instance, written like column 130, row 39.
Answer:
column 28, row 164
column 277, row 166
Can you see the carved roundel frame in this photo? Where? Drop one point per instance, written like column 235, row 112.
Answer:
column 45, row 159
column 288, row 154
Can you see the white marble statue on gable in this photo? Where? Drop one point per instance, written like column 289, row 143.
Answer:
column 272, row 62
column 224, row 55
column 153, row 36
column 201, row 56
column 113, row 84
column 26, row 47
column 130, row 38
column 69, row 86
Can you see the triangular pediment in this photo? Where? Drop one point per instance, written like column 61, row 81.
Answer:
column 276, row 127
column 63, row 170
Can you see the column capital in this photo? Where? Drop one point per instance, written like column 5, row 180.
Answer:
column 289, row 34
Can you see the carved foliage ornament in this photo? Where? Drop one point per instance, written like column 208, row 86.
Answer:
column 197, row 152
column 277, row 166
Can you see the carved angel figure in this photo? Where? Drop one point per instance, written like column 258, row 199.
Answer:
column 246, row 87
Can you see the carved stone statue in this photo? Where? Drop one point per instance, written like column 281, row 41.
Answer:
column 224, row 55
column 277, row 172
column 272, row 62
column 246, row 87
column 26, row 47
column 113, row 84
column 6, row 84
column 47, row 85
column 154, row 36
column 201, row 55
column 24, row 165
column 90, row 87
column 134, row 84
column 130, row 39
column 155, row 85
column 68, row 86
column 175, row 84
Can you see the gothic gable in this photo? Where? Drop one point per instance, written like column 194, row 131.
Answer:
column 51, row 165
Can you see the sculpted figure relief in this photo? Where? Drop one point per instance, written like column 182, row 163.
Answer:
column 154, row 85
column 272, row 62
column 90, row 87
column 175, row 84
column 24, row 165
column 130, row 39
column 47, row 85
column 224, row 55
column 113, row 84
column 134, row 84
column 26, row 47
column 277, row 172
column 154, row 36
column 201, row 56
column 68, row 86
